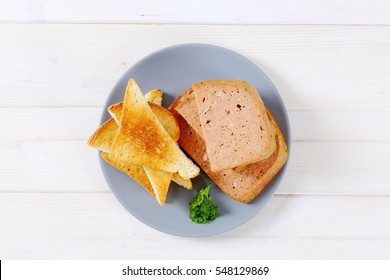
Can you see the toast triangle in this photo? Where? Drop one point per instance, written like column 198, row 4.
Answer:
column 142, row 140
column 185, row 183
column 154, row 96
column 134, row 171
column 102, row 139
column 160, row 182
column 164, row 116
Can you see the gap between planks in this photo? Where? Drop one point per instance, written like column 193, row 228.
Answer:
column 286, row 54
column 286, row 195
column 50, row 22
column 101, row 107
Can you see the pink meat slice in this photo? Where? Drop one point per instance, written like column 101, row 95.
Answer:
column 234, row 123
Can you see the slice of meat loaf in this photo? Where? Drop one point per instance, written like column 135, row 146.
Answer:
column 234, row 123
column 242, row 184
column 189, row 111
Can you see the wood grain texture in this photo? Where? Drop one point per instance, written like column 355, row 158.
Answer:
column 314, row 67
column 50, row 166
column 200, row 12
column 315, row 168
column 73, row 226
column 330, row 61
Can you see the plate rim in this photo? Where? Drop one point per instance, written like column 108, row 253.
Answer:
column 218, row 48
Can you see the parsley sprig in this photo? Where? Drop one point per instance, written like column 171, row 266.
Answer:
column 202, row 210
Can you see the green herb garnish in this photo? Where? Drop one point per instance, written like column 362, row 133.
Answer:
column 202, row 209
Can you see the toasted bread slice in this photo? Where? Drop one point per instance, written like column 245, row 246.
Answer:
column 185, row 183
column 153, row 181
column 115, row 111
column 134, row 171
column 160, row 180
column 167, row 120
column 142, row 140
column 163, row 115
column 241, row 184
column 234, row 123
column 154, row 96
column 102, row 138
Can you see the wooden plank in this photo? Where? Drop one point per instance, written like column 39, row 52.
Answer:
column 48, row 123
column 340, row 126
column 343, row 168
column 79, row 123
column 95, row 226
column 51, row 166
column 201, row 11
column 314, row 67
column 315, row 168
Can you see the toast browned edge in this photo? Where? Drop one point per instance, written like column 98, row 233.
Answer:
column 96, row 141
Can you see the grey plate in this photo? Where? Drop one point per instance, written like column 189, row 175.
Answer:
column 173, row 70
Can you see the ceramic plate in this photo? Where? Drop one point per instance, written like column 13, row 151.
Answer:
column 173, row 70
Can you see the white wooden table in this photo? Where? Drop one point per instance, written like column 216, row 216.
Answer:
column 330, row 61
